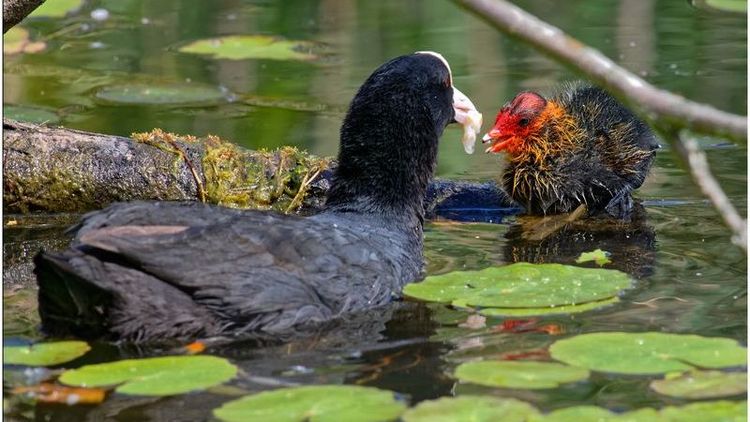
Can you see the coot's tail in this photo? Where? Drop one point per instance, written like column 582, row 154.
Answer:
column 83, row 294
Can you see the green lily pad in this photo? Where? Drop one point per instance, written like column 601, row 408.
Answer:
column 56, row 8
column 702, row 384
column 599, row 256
column 736, row 6
column 168, row 93
column 158, row 376
column 648, row 353
column 519, row 374
column 598, row 414
column 316, row 403
column 521, row 285
column 30, row 114
column 44, row 354
column 470, row 408
column 565, row 309
column 724, row 411
column 239, row 47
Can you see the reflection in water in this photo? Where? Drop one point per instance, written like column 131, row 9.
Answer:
column 632, row 244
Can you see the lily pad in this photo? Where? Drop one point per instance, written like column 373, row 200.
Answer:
column 599, row 414
column 316, row 403
column 521, row 285
column 599, row 256
column 470, row 408
column 565, row 309
column 239, row 47
column 44, row 354
column 736, row 6
column 158, row 376
column 648, row 352
column 56, row 8
column 725, row 411
column 168, row 93
column 702, row 384
column 30, row 114
column 519, row 374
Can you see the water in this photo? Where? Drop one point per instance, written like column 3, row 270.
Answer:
column 690, row 278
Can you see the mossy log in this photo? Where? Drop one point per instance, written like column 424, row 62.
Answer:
column 63, row 170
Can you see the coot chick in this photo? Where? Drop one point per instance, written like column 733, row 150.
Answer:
column 580, row 146
column 147, row 271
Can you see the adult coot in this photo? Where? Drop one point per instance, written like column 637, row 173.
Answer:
column 580, row 146
column 147, row 271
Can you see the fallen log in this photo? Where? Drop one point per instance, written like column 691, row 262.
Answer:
column 62, row 170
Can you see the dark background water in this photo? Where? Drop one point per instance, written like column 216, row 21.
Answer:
column 691, row 278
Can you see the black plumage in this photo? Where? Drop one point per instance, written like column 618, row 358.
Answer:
column 149, row 271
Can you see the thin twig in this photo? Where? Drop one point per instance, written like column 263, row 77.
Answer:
column 666, row 111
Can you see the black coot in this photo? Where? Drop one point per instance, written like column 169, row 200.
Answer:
column 147, row 271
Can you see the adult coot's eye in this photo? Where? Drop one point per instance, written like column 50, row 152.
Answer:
column 523, row 122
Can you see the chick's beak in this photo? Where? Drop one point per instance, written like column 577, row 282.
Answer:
column 467, row 116
column 498, row 140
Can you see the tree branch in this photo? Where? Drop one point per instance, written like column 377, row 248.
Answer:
column 666, row 111
column 14, row 11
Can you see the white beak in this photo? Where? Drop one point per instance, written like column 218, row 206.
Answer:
column 467, row 116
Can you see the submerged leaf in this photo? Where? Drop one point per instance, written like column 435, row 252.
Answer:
column 648, row 353
column 158, row 376
column 599, row 256
column 30, row 114
column 238, row 47
column 521, row 285
column 470, row 408
column 702, row 384
column 316, row 403
column 44, row 354
column 54, row 393
column 168, row 93
column 519, row 374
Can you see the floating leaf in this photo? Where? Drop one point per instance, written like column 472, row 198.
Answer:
column 54, row 393
column 158, row 376
column 30, row 114
column 238, row 47
column 599, row 414
column 519, row 374
column 44, row 354
column 648, row 353
column 521, row 285
column 599, row 256
column 725, row 411
column 697, row 412
column 736, row 6
column 702, row 384
column 169, row 93
column 317, row 403
column 470, row 408
column 56, row 8
column 565, row 309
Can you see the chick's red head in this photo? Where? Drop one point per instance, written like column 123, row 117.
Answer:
column 515, row 122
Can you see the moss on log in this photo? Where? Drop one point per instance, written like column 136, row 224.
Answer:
column 63, row 170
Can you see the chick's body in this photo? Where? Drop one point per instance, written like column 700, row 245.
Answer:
column 580, row 146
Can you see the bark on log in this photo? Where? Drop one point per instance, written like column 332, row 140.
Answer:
column 15, row 11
